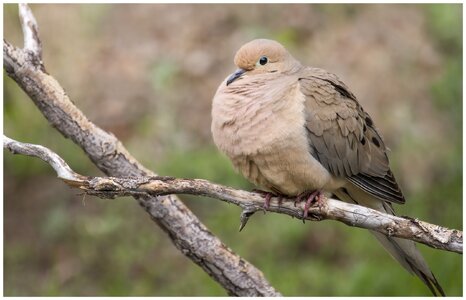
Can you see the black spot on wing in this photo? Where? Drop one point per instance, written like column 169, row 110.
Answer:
column 341, row 89
column 369, row 121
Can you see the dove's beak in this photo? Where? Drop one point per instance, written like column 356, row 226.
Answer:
column 235, row 76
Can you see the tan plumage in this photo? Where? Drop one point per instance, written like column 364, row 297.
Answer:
column 291, row 129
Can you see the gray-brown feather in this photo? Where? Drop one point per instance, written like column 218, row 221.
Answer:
column 343, row 136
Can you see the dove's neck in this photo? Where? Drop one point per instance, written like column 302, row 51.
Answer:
column 292, row 66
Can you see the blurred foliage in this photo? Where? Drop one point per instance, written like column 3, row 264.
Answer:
column 446, row 26
column 445, row 22
column 150, row 78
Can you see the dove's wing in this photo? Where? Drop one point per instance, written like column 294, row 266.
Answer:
column 343, row 137
column 345, row 141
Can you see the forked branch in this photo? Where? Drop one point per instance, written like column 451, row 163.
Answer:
column 236, row 275
column 190, row 236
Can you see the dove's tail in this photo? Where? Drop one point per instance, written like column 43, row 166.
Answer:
column 404, row 251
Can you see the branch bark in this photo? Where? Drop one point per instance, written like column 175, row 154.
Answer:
column 236, row 275
column 30, row 29
column 353, row 215
column 154, row 193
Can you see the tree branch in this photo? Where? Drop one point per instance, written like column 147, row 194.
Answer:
column 353, row 215
column 236, row 275
column 30, row 31
column 189, row 235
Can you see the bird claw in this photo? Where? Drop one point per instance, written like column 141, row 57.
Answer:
column 268, row 196
column 314, row 198
column 266, row 206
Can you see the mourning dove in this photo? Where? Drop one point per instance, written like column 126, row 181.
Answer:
column 297, row 130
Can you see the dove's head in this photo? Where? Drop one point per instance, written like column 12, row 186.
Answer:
column 260, row 57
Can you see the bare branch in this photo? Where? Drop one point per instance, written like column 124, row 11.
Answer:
column 30, row 28
column 50, row 157
column 353, row 215
column 236, row 275
column 190, row 236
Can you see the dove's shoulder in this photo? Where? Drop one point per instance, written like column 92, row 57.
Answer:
column 324, row 80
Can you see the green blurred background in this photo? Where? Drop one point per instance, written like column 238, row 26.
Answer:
column 147, row 73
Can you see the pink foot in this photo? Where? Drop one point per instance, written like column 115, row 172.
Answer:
column 301, row 197
column 268, row 196
column 313, row 198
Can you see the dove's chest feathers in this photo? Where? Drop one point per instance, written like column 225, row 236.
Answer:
column 263, row 132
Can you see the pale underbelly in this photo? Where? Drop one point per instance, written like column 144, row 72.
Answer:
column 288, row 171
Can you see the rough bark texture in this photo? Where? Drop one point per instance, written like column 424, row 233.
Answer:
column 353, row 215
column 189, row 235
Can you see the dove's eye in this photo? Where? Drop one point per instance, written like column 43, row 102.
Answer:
column 263, row 60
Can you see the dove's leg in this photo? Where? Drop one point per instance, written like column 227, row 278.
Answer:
column 268, row 196
column 312, row 198
column 304, row 196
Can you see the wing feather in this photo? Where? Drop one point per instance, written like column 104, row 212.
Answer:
column 343, row 137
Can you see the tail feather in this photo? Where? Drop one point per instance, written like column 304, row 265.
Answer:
column 402, row 250
column 406, row 253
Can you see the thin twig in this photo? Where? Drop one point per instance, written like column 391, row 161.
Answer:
column 30, row 29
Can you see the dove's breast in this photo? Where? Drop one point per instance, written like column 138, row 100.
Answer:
column 262, row 131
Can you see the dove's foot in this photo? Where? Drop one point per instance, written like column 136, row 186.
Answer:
column 268, row 196
column 312, row 198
